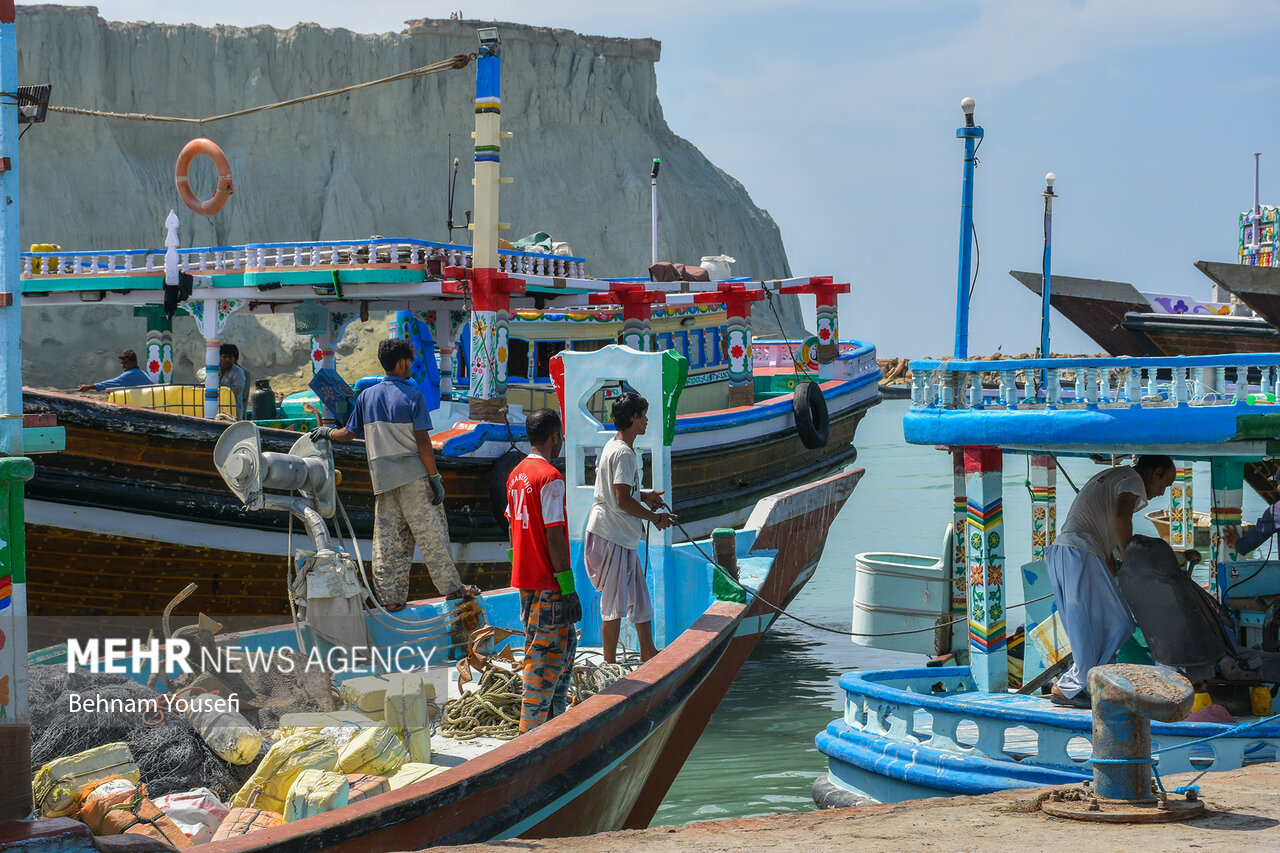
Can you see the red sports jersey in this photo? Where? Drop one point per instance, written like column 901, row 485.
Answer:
column 535, row 501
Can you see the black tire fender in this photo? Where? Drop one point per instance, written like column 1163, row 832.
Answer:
column 813, row 423
column 498, row 474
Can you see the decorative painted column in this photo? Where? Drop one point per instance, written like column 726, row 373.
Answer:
column 826, row 291
column 158, row 361
column 1181, row 510
column 959, row 554
column 322, row 350
column 988, row 652
column 637, row 309
column 1228, row 494
column 211, row 316
column 737, row 300
column 15, row 469
column 1044, row 503
column 445, row 325
column 490, row 289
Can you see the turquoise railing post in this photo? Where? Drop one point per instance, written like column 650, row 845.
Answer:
column 988, row 652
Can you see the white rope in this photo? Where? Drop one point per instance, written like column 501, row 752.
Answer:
column 455, row 62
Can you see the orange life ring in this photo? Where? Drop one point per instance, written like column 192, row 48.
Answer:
column 211, row 150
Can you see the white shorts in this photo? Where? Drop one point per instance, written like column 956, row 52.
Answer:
column 616, row 574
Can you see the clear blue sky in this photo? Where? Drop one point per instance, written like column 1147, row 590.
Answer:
column 839, row 118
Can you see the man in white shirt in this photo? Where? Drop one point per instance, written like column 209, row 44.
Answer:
column 615, row 526
column 1083, row 560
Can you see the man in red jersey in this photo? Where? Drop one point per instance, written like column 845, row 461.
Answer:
column 549, row 607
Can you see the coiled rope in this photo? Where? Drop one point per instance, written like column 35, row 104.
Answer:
column 491, row 710
column 457, row 62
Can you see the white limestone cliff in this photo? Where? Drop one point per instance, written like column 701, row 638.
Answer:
column 584, row 111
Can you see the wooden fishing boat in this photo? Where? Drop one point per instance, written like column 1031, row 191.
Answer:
column 970, row 722
column 134, row 495
column 960, row 729
column 608, row 761
column 1124, row 321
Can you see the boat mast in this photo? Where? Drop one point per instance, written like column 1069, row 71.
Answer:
column 15, row 469
column 970, row 133
column 490, row 297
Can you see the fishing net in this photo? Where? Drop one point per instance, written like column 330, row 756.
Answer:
column 170, row 755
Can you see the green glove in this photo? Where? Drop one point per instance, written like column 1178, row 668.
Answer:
column 565, row 579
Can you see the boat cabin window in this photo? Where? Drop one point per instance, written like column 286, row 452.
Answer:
column 681, row 341
column 545, row 351
column 591, row 346
column 517, row 359
column 697, row 349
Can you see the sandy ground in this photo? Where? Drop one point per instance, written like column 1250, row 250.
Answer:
column 1243, row 814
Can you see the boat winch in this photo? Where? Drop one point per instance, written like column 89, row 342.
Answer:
column 327, row 590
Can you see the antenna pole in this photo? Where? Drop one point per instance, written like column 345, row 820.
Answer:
column 653, row 203
column 1044, row 290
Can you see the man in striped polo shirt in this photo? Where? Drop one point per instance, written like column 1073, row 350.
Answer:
column 393, row 419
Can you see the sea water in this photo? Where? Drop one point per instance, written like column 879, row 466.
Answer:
column 757, row 756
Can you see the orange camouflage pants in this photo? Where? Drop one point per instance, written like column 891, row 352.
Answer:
column 550, row 642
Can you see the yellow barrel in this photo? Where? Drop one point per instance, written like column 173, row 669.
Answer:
column 182, row 399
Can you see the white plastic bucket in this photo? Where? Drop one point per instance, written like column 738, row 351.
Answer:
column 717, row 266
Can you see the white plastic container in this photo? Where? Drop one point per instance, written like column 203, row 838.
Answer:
column 717, row 266
column 903, row 592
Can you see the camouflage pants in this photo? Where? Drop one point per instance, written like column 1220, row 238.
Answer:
column 402, row 518
column 548, row 657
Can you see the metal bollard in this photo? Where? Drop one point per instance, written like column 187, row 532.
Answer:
column 1126, row 698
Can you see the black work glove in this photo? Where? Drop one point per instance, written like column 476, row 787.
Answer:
column 572, row 609
column 436, row 484
column 320, row 433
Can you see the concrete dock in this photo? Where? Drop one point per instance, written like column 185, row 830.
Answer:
column 1243, row 813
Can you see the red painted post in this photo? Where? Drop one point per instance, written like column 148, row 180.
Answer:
column 737, row 300
column 637, row 308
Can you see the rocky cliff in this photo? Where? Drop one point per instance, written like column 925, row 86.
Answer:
column 583, row 109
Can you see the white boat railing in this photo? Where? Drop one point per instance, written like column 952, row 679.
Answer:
column 1218, row 380
column 367, row 253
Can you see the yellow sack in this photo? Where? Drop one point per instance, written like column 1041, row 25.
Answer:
column 413, row 772
column 367, row 693
column 408, row 714
column 59, row 784
column 233, row 738
column 269, row 785
column 337, row 727
column 315, row 792
column 377, row 751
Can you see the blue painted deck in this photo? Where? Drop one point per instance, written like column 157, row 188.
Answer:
column 929, row 732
